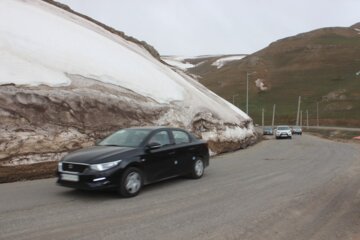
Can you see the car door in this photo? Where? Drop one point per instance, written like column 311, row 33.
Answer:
column 184, row 151
column 159, row 163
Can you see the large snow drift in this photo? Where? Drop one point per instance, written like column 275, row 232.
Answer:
column 51, row 57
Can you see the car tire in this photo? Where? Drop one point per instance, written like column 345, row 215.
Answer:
column 198, row 168
column 131, row 182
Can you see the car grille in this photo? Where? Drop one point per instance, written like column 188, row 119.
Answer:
column 73, row 167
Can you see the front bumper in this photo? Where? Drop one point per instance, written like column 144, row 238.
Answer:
column 283, row 135
column 89, row 180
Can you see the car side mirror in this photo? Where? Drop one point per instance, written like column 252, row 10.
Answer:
column 153, row 145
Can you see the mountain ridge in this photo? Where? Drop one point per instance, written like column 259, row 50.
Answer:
column 314, row 65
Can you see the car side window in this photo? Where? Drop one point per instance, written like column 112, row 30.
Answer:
column 160, row 137
column 180, row 137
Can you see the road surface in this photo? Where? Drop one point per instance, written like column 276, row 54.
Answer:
column 304, row 188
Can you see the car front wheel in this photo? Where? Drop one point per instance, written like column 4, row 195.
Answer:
column 131, row 182
column 198, row 169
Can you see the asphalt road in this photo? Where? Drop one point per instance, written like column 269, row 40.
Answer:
column 304, row 188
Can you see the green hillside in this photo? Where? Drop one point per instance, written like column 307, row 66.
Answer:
column 320, row 66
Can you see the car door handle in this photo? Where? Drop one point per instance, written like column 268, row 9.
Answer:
column 171, row 153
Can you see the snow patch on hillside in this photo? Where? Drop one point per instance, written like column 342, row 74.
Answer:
column 178, row 62
column 219, row 63
column 260, row 84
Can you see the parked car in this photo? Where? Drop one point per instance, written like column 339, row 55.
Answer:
column 297, row 130
column 268, row 131
column 130, row 158
column 283, row 132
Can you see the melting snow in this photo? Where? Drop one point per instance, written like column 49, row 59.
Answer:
column 53, row 44
column 35, row 52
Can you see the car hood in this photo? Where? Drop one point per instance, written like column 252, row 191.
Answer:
column 96, row 154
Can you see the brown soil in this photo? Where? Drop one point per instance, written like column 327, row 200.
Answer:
column 27, row 172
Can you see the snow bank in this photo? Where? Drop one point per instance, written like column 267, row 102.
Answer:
column 53, row 44
column 71, row 72
column 45, row 46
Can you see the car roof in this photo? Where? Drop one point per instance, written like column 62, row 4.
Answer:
column 155, row 128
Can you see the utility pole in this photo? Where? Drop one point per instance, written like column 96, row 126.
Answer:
column 298, row 111
column 301, row 118
column 317, row 113
column 247, row 91
column 262, row 117
column 273, row 117
column 307, row 119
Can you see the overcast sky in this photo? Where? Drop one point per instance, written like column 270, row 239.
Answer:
column 200, row 27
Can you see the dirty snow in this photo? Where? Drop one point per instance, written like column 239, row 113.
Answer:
column 53, row 44
column 219, row 63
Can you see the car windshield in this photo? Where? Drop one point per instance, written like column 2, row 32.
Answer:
column 126, row 138
column 283, row 128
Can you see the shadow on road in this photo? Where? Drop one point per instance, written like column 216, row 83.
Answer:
column 101, row 195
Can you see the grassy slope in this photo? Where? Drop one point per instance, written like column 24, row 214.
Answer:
column 310, row 64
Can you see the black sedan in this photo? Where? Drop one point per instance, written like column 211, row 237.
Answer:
column 133, row 157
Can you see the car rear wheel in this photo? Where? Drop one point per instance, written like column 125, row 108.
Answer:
column 198, row 169
column 131, row 182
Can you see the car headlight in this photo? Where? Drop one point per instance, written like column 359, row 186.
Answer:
column 104, row 166
column 59, row 166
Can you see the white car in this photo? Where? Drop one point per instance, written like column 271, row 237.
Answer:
column 283, row 132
